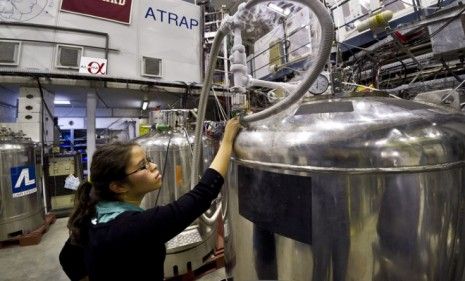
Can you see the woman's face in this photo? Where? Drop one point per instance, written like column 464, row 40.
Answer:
column 143, row 176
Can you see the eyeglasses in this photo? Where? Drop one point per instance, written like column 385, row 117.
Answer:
column 146, row 166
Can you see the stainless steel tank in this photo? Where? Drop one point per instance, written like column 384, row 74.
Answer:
column 21, row 195
column 170, row 147
column 349, row 189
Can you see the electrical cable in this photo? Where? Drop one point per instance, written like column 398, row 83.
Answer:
column 444, row 64
column 100, row 98
column 42, row 120
column 220, row 107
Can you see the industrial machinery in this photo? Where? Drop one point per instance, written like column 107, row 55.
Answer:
column 170, row 148
column 341, row 187
column 421, row 49
column 58, row 167
column 21, row 197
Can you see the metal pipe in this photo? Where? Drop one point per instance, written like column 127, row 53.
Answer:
column 53, row 27
column 101, row 78
column 270, row 84
column 45, row 26
column 91, row 109
column 286, row 49
column 426, row 85
column 54, row 42
column 202, row 38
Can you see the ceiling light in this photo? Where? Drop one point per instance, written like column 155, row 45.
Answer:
column 61, row 102
column 145, row 104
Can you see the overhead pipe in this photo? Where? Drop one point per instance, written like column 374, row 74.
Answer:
column 49, row 75
column 60, row 28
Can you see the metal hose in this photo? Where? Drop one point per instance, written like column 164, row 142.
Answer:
column 324, row 51
column 203, row 106
column 217, row 44
column 327, row 36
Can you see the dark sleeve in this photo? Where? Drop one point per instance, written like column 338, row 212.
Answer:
column 165, row 222
column 72, row 261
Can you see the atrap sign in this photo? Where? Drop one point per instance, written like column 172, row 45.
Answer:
column 114, row 10
column 171, row 18
column 94, row 66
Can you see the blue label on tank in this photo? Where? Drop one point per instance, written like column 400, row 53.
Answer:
column 23, row 180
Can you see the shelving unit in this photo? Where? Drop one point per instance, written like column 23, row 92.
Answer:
column 75, row 140
column 80, row 145
column 66, row 140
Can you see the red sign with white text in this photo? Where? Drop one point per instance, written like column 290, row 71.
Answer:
column 114, row 10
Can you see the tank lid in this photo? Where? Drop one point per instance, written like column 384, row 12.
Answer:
column 8, row 135
column 356, row 132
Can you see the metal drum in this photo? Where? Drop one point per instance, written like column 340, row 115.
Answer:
column 349, row 189
column 170, row 147
column 21, row 195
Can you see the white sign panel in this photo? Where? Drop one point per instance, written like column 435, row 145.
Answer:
column 170, row 31
column 93, row 66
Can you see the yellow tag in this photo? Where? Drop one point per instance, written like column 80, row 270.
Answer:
column 379, row 20
column 179, row 176
column 144, row 129
column 362, row 88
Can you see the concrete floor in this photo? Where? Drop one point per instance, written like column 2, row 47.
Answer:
column 40, row 262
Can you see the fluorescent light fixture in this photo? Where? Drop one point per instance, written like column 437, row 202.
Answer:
column 61, row 102
column 275, row 8
column 145, row 104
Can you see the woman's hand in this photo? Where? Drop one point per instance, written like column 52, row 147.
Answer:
column 231, row 130
column 221, row 161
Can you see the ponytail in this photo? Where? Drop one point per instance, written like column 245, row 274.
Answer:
column 84, row 209
column 108, row 164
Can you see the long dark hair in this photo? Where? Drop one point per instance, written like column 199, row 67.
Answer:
column 108, row 165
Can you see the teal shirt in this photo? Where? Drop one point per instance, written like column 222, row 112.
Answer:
column 109, row 210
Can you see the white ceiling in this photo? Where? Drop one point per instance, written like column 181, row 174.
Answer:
column 107, row 97
column 115, row 98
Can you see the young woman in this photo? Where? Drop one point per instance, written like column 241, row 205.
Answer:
column 111, row 238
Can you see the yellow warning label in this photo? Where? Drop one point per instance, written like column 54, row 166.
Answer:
column 179, row 176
